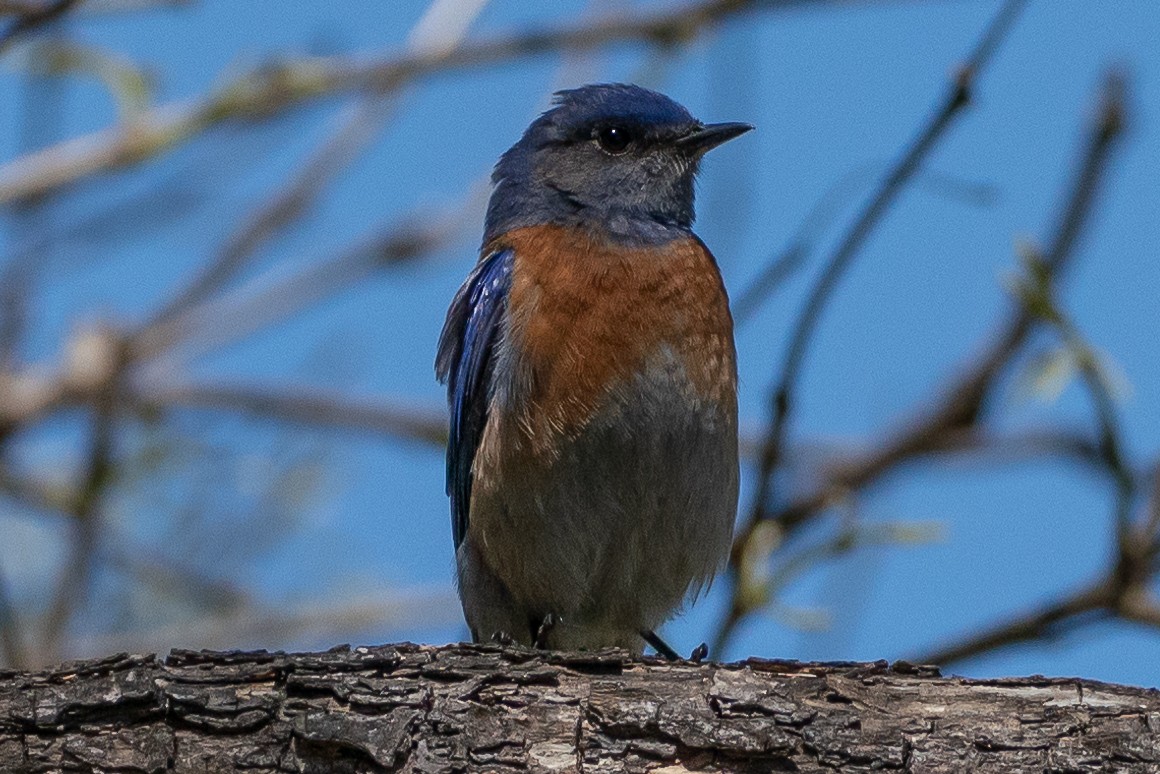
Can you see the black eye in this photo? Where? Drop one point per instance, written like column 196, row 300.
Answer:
column 614, row 139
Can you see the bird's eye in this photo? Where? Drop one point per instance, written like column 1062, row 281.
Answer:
column 613, row 139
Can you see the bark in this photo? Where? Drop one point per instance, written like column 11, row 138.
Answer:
column 467, row 708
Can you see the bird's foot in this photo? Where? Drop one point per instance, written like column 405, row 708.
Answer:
column 540, row 640
column 660, row 646
column 502, row 638
column 699, row 653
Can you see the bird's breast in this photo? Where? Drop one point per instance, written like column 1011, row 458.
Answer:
column 588, row 318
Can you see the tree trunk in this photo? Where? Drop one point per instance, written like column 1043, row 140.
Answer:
column 469, row 708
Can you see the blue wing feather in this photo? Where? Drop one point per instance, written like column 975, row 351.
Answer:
column 464, row 362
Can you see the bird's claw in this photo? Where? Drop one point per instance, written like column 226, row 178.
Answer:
column 545, row 628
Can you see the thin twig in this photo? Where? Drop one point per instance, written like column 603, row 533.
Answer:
column 786, row 262
column 73, row 585
column 32, row 20
column 910, row 162
column 280, row 293
column 1125, row 581
column 1085, row 606
column 957, row 98
column 11, row 641
column 274, row 89
column 440, row 29
column 352, row 133
column 304, row 406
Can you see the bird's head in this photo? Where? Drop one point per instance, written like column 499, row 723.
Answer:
column 613, row 157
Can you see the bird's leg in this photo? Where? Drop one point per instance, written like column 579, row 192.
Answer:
column 660, row 646
column 541, row 632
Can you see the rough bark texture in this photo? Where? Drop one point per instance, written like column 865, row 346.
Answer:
column 465, row 708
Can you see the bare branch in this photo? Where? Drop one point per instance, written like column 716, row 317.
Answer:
column 1087, row 605
column 274, row 89
column 86, row 508
column 11, row 640
column 383, row 609
column 908, row 164
column 305, row 406
column 354, row 130
column 274, row 296
column 33, row 19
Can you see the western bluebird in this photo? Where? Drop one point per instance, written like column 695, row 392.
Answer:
column 592, row 380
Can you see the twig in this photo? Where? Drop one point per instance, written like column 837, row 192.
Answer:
column 304, row 406
column 956, row 99
column 790, row 259
column 1124, row 584
column 353, row 131
column 1087, row 605
column 279, row 294
column 32, row 20
column 86, row 509
column 440, row 29
column 277, row 88
column 10, row 638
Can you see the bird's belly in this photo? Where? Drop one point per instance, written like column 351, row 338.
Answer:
column 615, row 523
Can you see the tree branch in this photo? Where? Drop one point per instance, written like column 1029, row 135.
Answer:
column 33, row 19
column 412, row 708
column 276, row 88
column 782, row 396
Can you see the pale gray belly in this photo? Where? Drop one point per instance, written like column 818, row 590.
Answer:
column 627, row 516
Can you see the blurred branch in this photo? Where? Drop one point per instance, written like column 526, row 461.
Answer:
column 33, row 18
column 911, row 160
column 1123, row 590
column 787, row 261
column 272, row 297
column 439, row 30
column 275, row 88
column 961, row 404
column 40, row 7
column 86, row 508
column 387, row 609
column 957, row 98
column 10, row 630
column 1085, row 606
column 353, row 131
column 302, row 405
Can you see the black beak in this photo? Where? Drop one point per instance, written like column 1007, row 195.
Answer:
column 710, row 136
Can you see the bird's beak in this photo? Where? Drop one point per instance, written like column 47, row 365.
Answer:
column 710, row 136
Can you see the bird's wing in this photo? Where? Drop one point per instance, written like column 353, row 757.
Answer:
column 464, row 362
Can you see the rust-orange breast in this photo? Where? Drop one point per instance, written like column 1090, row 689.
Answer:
column 586, row 314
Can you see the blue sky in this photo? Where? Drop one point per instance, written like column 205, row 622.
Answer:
column 830, row 91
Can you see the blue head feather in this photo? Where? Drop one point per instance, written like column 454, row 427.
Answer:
column 570, row 168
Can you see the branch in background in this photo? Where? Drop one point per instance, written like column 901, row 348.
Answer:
column 11, row 639
column 961, row 404
column 956, row 99
column 276, row 295
column 87, row 505
column 380, row 610
column 787, row 261
column 33, row 19
column 353, row 132
column 39, row 7
column 439, row 30
column 1123, row 591
column 304, row 406
column 276, row 88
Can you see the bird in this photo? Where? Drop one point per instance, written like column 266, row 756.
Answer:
column 591, row 372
